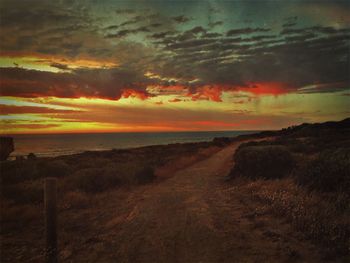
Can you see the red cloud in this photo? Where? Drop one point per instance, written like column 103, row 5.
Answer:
column 266, row 88
column 208, row 92
column 134, row 94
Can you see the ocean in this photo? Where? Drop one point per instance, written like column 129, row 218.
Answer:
column 63, row 144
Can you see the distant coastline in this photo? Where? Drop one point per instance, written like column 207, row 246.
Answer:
column 52, row 145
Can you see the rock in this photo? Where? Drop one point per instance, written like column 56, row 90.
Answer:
column 6, row 147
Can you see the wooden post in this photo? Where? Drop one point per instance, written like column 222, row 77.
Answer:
column 51, row 220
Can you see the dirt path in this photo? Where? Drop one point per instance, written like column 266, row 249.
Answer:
column 193, row 217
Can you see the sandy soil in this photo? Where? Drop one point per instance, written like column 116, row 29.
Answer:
column 194, row 216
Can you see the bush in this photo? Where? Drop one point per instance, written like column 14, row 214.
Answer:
column 24, row 194
column 145, row 175
column 93, row 180
column 329, row 172
column 267, row 162
column 55, row 168
column 18, row 171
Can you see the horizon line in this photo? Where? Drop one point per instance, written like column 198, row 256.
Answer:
column 72, row 133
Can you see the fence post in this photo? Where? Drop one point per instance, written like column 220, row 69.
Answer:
column 51, row 219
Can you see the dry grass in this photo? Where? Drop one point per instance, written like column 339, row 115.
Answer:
column 310, row 187
column 75, row 200
column 320, row 217
column 18, row 216
column 82, row 178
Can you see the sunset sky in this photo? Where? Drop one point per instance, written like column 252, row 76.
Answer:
column 109, row 66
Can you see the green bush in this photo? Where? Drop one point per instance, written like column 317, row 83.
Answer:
column 267, row 162
column 329, row 172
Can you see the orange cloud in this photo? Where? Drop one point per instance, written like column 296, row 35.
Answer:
column 266, row 88
column 134, row 94
column 208, row 92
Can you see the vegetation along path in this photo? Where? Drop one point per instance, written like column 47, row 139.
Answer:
column 194, row 216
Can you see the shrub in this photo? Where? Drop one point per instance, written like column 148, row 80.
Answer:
column 262, row 162
column 23, row 194
column 329, row 172
column 55, row 168
column 18, row 171
column 145, row 175
column 92, row 180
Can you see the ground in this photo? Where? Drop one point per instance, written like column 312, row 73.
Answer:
column 193, row 216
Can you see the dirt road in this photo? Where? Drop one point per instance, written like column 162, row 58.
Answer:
column 194, row 216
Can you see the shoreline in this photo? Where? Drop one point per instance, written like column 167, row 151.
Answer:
column 68, row 152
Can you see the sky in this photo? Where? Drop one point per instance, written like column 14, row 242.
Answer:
column 131, row 66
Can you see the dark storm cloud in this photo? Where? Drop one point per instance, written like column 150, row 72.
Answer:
column 125, row 11
column 179, row 53
column 48, row 28
column 181, row 19
column 216, row 23
column 102, row 83
column 162, row 35
column 135, row 20
column 196, row 30
column 191, row 43
column 29, row 16
column 302, row 37
column 325, row 88
column 289, row 24
column 211, row 35
column 296, row 60
column 315, row 29
column 155, row 25
column 247, row 30
column 125, row 32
